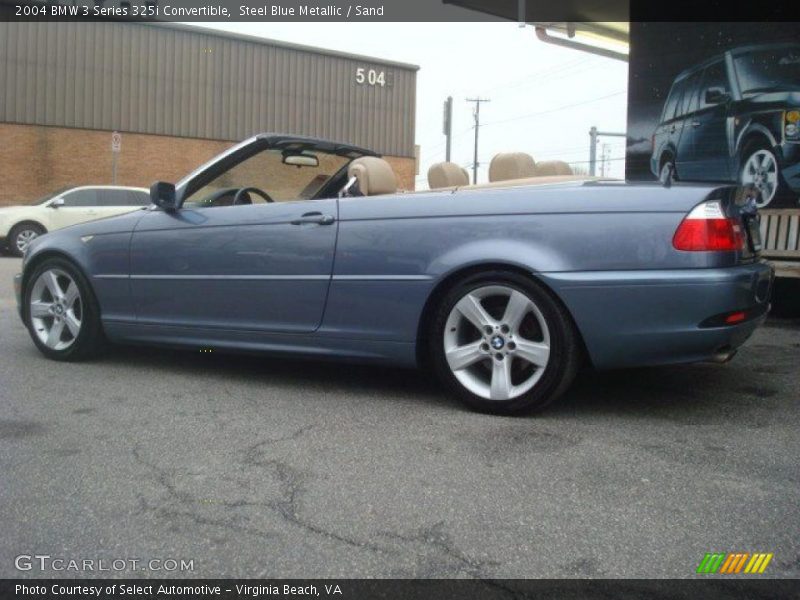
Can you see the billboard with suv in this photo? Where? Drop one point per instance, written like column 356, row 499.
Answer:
column 717, row 102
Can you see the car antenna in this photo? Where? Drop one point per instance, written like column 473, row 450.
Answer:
column 670, row 175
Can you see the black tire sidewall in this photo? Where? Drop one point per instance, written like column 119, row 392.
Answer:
column 90, row 337
column 14, row 233
column 564, row 356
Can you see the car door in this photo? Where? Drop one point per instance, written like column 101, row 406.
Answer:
column 75, row 206
column 709, row 125
column 684, row 140
column 667, row 134
column 259, row 267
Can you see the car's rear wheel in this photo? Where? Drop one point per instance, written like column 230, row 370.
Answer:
column 503, row 344
column 61, row 312
column 667, row 170
column 20, row 237
column 760, row 169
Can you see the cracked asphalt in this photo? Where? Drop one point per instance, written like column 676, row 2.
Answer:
column 255, row 467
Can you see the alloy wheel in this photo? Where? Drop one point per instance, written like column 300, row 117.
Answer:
column 24, row 239
column 56, row 309
column 496, row 342
column 761, row 171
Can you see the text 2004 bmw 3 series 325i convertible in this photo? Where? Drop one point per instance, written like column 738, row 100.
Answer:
column 305, row 247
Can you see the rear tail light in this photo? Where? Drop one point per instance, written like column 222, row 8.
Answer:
column 706, row 228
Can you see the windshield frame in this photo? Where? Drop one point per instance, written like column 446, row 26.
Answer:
column 237, row 154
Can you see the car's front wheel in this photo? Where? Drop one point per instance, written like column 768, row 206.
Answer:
column 503, row 344
column 760, row 170
column 61, row 311
column 20, row 237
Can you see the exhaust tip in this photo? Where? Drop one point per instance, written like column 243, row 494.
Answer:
column 723, row 355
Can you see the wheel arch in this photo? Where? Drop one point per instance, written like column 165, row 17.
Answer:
column 668, row 151
column 452, row 279
column 44, row 255
column 27, row 222
column 752, row 135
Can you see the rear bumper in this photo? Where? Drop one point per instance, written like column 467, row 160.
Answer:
column 636, row 318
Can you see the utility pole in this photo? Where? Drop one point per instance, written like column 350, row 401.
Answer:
column 477, row 115
column 448, row 125
column 594, row 133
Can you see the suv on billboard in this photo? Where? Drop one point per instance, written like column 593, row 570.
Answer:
column 736, row 118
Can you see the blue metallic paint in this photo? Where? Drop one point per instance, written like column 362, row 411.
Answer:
column 245, row 278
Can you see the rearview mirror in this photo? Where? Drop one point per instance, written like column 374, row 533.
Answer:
column 56, row 202
column 163, row 195
column 301, row 160
column 716, row 95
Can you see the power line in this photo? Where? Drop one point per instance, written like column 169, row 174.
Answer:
column 552, row 110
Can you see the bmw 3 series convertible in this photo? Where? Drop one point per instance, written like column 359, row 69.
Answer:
column 297, row 246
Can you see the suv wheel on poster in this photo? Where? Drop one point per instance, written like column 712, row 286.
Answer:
column 759, row 168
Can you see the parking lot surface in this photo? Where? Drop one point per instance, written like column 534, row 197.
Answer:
column 260, row 467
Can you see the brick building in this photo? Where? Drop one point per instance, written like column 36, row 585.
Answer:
column 179, row 95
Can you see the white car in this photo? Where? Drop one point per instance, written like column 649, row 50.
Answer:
column 21, row 224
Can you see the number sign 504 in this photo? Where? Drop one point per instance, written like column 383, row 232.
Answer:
column 371, row 77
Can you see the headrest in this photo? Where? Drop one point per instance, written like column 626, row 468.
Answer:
column 374, row 176
column 552, row 167
column 446, row 174
column 511, row 165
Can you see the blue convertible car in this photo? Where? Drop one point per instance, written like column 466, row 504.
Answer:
column 305, row 247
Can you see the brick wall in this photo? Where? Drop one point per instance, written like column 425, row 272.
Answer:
column 35, row 160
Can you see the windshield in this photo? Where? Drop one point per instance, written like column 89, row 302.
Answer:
column 770, row 70
column 267, row 171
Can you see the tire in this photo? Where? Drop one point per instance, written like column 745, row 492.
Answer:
column 21, row 235
column 759, row 167
column 666, row 164
column 499, row 373
column 65, row 307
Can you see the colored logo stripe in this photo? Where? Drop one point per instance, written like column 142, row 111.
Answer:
column 758, row 563
column 733, row 562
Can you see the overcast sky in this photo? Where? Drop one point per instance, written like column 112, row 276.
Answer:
column 544, row 98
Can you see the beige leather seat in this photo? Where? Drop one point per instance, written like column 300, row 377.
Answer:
column 446, row 175
column 552, row 167
column 374, row 176
column 511, row 165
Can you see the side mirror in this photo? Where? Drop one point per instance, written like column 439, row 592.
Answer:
column 55, row 203
column 716, row 95
column 163, row 195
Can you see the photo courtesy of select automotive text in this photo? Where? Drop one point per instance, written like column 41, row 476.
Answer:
column 414, row 299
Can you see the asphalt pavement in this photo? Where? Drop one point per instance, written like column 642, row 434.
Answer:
column 258, row 467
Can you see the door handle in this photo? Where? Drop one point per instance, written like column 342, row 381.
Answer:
column 695, row 123
column 314, row 218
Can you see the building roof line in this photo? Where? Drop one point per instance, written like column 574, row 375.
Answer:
column 243, row 37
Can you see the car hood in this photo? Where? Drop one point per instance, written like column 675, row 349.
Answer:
column 13, row 210
column 788, row 98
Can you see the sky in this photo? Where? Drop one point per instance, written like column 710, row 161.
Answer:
column 544, row 98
